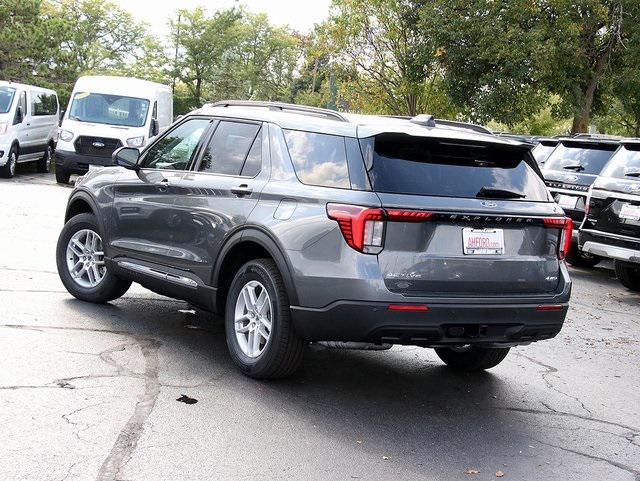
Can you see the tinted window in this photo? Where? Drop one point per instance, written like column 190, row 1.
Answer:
column 318, row 159
column 175, row 150
column 228, row 148
column 625, row 164
column 109, row 109
column 541, row 152
column 403, row 164
column 583, row 158
column 253, row 163
column 43, row 104
column 6, row 99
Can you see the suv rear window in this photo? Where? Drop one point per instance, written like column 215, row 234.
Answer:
column 625, row 164
column 582, row 158
column 405, row 164
column 319, row 159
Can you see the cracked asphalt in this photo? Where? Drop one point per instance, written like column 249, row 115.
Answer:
column 90, row 392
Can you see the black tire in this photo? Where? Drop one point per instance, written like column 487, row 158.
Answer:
column 472, row 358
column 111, row 287
column 628, row 274
column 44, row 163
column 62, row 176
column 8, row 170
column 283, row 352
column 577, row 258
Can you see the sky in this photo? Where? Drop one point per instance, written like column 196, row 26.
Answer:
column 299, row 15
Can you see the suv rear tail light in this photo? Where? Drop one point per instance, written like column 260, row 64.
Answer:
column 363, row 227
column 566, row 224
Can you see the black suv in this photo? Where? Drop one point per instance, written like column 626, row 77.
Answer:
column 569, row 172
column 611, row 227
column 300, row 224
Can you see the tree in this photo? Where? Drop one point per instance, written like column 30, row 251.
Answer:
column 383, row 44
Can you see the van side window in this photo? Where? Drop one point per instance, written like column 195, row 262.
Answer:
column 229, row 147
column 318, row 159
column 43, row 104
column 175, row 150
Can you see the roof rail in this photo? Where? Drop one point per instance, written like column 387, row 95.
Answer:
column 301, row 109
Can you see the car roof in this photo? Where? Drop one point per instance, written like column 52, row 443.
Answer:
column 295, row 117
column 16, row 85
column 108, row 84
column 590, row 142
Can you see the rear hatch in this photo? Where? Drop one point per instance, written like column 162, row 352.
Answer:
column 486, row 234
column 572, row 168
column 615, row 200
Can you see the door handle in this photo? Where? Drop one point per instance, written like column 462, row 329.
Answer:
column 241, row 190
column 162, row 184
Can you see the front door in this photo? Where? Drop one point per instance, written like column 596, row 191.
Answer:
column 146, row 224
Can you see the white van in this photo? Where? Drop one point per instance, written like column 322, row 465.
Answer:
column 106, row 113
column 28, row 126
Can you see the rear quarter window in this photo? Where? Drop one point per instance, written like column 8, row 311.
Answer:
column 405, row 164
column 318, row 159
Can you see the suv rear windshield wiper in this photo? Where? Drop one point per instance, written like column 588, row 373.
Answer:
column 491, row 193
column 634, row 173
column 576, row 167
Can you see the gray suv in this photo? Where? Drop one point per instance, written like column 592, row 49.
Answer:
column 300, row 225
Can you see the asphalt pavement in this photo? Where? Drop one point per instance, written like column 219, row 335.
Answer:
column 142, row 389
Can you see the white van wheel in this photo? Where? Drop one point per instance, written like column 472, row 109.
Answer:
column 8, row 170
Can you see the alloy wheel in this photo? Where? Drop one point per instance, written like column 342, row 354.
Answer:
column 253, row 319
column 85, row 258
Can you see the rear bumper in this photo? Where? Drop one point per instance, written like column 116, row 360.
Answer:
column 440, row 325
column 612, row 246
column 75, row 163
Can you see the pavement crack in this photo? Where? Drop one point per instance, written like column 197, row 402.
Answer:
column 611, row 462
column 128, row 437
column 550, row 370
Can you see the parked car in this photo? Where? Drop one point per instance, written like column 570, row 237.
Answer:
column 106, row 113
column 611, row 227
column 544, row 148
column 569, row 172
column 301, row 224
column 28, row 126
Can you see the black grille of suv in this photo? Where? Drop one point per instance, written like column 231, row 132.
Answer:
column 96, row 146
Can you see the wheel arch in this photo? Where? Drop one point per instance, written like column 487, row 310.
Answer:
column 247, row 244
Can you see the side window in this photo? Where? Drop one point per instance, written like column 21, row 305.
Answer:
column 228, row 148
column 175, row 150
column 43, row 104
column 319, row 159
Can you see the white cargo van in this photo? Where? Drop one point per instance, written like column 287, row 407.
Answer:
column 28, row 126
column 106, row 113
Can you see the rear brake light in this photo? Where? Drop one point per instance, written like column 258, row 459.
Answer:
column 363, row 227
column 566, row 225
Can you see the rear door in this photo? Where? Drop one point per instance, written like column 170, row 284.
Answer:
column 486, row 235
column 217, row 196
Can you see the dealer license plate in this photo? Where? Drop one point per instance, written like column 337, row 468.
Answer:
column 482, row 241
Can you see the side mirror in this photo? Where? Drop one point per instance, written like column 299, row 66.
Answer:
column 19, row 115
column 155, row 129
column 126, row 157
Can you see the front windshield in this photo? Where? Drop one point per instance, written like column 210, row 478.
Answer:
column 109, row 109
column 6, row 99
column 581, row 158
column 625, row 164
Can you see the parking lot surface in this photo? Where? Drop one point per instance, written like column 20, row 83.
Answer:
column 143, row 388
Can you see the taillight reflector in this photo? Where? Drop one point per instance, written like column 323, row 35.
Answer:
column 566, row 225
column 408, row 307
column 550, row 307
